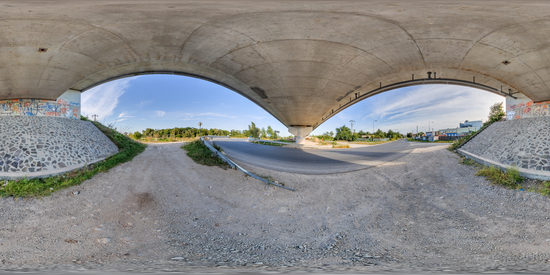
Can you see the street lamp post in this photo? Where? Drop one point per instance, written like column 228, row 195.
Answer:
column 429, row 124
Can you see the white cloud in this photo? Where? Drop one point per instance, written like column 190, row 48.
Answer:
column 160, row 113
column 124, row 115
column 143, row 103
column 103, row 99
column 444, row 105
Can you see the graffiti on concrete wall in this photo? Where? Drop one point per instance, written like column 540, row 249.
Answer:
column 526, row 110
column 35, row 107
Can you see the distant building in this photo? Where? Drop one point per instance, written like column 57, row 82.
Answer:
column 476, row 124
column 449, row 132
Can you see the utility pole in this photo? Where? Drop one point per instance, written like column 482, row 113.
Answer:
column 94, row 116
column 200, row 124
column 429, row 125
column 373, row 129
column 352, row 121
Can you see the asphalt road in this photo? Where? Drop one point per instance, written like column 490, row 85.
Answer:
column 316, row 161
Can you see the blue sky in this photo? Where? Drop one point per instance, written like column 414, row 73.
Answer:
column 167, row 101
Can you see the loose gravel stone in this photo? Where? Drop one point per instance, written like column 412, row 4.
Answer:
column 454, row 220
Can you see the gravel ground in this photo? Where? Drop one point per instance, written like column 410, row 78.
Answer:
column 163, row 212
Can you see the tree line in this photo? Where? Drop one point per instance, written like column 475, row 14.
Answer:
column 344, row 133
column 192, row 132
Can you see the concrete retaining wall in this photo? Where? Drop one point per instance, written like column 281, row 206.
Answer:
column 34, row 146
column 524, row 143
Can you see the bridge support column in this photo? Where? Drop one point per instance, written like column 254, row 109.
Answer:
column 300, row 132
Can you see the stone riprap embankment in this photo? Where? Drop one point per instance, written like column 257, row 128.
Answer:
column 41, row 146
column 524, row 143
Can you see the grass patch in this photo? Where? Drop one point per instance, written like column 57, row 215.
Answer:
column 340, row 146
column 285, row 140
column 509, row 179
column 545, row 188
column 268, row 143
column 202, row 155
column 128, row 149
column 467, row 161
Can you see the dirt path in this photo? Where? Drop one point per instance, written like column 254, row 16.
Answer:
column 164, row 212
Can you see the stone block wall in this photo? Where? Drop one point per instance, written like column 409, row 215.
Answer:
column 521, row 142
column 38, row 144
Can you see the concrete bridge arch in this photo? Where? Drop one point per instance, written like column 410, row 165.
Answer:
column 301, row 61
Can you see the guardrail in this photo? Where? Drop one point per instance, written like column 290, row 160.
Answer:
column 233, row 165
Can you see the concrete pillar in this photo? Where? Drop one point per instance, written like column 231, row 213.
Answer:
column 300, row 132
column 67, row 106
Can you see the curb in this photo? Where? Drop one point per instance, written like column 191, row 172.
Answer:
column 526, row 173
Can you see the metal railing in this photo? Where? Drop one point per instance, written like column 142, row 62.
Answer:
column 233, row 165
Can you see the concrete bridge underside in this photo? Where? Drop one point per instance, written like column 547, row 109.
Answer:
column 302, row 61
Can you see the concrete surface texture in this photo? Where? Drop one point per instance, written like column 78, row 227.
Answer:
column 522, row 142
column 302, row 61
column 163, row 212
column 39, row 146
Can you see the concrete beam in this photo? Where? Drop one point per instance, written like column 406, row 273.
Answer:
column 301, row 61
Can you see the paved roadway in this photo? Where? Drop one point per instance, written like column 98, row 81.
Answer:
column 316, row 161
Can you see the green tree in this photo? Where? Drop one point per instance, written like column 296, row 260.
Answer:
column 137, row 135
column 496, row 112
column 344, row 133
column 263, row 133
column 379, row 134
column 270, row 132
column 253, row 130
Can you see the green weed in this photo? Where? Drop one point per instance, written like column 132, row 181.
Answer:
column 467, row 161
column 508, row 179
column 340, row 146
column 199, row 153
column 545, row 190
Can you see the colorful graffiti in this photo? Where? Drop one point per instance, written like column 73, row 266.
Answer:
column 35, row 107
column 529, row 109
